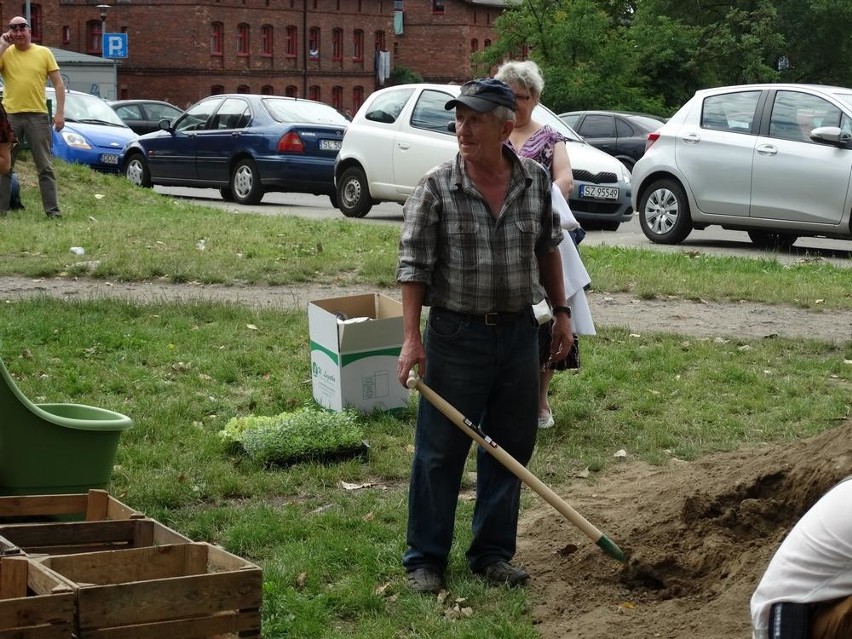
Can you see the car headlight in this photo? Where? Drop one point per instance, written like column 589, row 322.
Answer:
column 625, row 174
column 75, row 140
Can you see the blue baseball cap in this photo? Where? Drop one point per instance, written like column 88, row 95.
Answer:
column 484, row 94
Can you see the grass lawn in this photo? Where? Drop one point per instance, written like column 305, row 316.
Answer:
column 330, row 536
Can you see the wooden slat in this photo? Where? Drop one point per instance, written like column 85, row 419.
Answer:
column 40, row 505
column 227, row 625
column 53, row 631
column 13, row 577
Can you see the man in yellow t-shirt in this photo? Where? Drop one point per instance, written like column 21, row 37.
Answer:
column 25, row 68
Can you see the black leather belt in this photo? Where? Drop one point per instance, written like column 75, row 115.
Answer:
column 489, row 319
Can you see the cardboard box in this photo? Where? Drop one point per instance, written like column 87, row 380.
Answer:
column 184, row 590
column 353, row 359
column 35, row 603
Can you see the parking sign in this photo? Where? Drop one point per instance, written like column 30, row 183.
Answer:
column 114, row 45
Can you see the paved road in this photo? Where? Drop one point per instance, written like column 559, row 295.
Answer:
column 713, row 240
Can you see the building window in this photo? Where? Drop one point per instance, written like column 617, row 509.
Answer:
column 358, row 43
column 217, row 38
column 380, row 41
column 357, row 97
column 242, row 39
column 486, row 44
column 66, row 35
column 217, row 89
column 314, row 92
column 266, row 33
column 474, row 45
column 292, row 91
column 35, row 21
column 243, row 88
column 337, row 97
column 314, row 43
column 93, row 37
column 267, row 89
column 438, row 7
column 337, row 45
column 291, row 41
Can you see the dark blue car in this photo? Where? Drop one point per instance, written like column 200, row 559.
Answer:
column 245, row 145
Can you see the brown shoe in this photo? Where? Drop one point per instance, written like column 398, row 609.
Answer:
column 425, row 580
column 502, row 572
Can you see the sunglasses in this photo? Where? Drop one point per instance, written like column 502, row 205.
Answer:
column 21, row 26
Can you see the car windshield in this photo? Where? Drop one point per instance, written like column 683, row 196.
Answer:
column 81, row 107
column 284, row 110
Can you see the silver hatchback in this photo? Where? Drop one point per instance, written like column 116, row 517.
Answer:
column 774, row 160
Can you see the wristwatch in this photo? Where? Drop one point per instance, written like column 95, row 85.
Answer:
column 562, row 309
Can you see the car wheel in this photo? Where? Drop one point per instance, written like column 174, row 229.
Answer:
column 772, row 240
column 353, row 194
column 664, row 213
column 136, row 171
column 226, row 193
column 245, row 183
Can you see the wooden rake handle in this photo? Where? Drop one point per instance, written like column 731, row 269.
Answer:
column 516, row 468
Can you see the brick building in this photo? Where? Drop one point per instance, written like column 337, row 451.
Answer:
column 182, row 50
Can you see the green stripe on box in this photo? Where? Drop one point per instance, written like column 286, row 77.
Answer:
column 354, row 357
column 323, row 349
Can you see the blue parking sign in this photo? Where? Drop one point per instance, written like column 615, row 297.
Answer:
column 114, row 45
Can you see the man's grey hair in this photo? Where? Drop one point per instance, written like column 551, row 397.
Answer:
column 526, row 74
column 504, row 114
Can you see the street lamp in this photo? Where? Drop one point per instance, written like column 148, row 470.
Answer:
column 103, row 9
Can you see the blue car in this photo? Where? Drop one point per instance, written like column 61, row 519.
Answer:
column 243, row 144
column 93, row 135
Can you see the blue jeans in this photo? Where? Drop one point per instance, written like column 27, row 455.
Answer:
column 490, row 374
column 36, row 129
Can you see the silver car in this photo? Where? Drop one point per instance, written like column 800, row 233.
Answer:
column 774, row 160
column 401, row 132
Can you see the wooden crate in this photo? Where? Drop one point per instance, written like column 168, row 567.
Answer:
column 34, row 602
column 70, row 537
column 8, row 548
column 96, row 505
column 186, row 591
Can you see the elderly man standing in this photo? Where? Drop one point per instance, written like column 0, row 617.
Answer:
column 25, row 68
column 478, row 246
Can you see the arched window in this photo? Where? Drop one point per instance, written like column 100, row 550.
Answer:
column 314, row 43
column 474, row 45
column 93, row 37
column 35, row 22
column 217, row 38
column 292, row 91
column 243, row 88
column 380, row 41
column 358, row 44
column 243, row 43
column 337, row 97
column 314, row 92
column 217, row 89
column 357, row 97
column 267, row 89
column 266, row 40
column 337, row 45
column 291, row 41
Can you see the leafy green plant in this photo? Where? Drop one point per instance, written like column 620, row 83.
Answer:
column 304, row 434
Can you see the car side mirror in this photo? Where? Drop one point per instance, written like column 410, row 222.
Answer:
column 833, row 135
column 165, row 124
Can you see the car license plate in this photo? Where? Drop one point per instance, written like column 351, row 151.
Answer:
column 330, row 145
column 109, row 158
column 599, row 192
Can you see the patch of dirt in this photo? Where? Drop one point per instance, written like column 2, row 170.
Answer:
column 704, row 531
column 676, row 315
